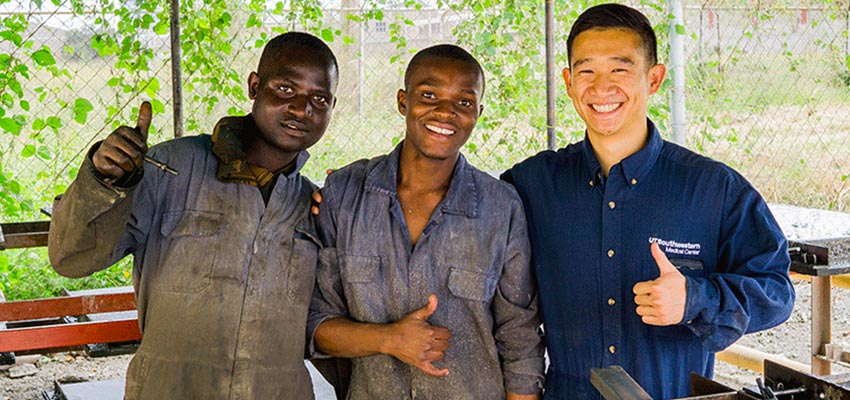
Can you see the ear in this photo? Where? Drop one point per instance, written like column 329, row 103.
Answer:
column 401, row 99
column 656, row 76
column 253, row 85
column 480, row 110
column 567, row 78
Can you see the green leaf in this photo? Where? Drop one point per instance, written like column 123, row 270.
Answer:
column 10, row 125
column 44, row 153
column 43, row 57
column 327, row 35
column 680, row 29
column 81, row 110
column 28, row 151
column 38, row 124
column 54, row 122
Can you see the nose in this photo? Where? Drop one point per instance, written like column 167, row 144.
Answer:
column 444, row 110
column 602, row 85
column 300, row 106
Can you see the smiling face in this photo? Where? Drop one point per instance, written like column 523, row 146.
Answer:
column 293, row 99
column 610, row 81
column 441, row 106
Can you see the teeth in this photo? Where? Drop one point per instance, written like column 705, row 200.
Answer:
column 293, row 127
column 439, row 130
column 605, row 108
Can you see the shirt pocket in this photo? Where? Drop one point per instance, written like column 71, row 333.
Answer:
column 190, row 245
column 360, row 269
column 471, row 285
column 365, row 297
column 302, row 268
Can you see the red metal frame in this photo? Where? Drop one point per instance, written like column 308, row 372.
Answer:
column 62, row 306
column 69, row 335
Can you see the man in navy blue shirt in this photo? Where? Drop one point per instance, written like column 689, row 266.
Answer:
column 647, row 255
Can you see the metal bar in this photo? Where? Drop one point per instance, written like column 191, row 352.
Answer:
column 17, row 235
column 176, row 79
column 678, row 116
column 821, row 323
column 550, row 76
column 62, row 306
column 614, row 383
column 77, row 334
column 753, row 360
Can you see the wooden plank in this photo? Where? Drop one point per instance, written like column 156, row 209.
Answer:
column 61, row 336
column 62, row 306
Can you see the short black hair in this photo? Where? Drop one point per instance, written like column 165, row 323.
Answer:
column 448, row 51
column 320, row 50
column 615, row 16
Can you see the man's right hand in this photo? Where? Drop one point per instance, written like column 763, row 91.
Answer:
column 418, row 343
column 122, row 152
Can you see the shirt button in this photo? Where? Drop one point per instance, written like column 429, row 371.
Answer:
column 610, row 253
column 612, row 204
column 634, row 181
column 612, row 349
column 611, row 302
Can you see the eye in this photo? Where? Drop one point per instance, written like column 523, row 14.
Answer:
column 287, row 90
column 465, row 103
column 321, row 99
column 429, row 95
column 620, row 70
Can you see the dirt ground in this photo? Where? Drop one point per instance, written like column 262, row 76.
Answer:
column 789, row 340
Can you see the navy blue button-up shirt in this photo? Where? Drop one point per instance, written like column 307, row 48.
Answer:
column 473, row 254
column 591, row 238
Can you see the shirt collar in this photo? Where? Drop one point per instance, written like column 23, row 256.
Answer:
column 229, row 146
column 461, row 197
column 636, row 166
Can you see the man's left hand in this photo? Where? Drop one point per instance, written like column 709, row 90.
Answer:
column 661, row 301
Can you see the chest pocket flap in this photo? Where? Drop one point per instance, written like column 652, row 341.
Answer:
column 471, row 285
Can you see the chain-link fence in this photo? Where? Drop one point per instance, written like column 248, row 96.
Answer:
column 768, row 85
column 769, row 93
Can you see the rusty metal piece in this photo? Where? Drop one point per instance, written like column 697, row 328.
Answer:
column 820, row 257
column 78, row 334
column 16, row 235
column 701, row 386
column 614, row 383
column 61, row 306
column 782, row 377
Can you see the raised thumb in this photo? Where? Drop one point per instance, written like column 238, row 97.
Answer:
column 426, row 310
column 143, row 122
column 664, row 265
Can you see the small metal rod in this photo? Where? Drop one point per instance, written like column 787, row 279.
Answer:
column 161, row 165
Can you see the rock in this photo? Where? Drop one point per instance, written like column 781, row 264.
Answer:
column 23, row 370
column 73, row 378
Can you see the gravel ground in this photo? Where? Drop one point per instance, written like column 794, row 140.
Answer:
column 789, row 340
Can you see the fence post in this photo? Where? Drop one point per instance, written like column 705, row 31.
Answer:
column 176, row 79
column 550, row 76
column 677, row 72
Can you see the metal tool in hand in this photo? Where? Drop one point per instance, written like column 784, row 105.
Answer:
column 161, row 165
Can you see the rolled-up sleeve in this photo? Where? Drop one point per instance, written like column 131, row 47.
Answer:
column 515, row 312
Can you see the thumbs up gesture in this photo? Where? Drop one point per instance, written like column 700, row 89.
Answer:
column 418, row 343
column 661, row 301
column 124, row 149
